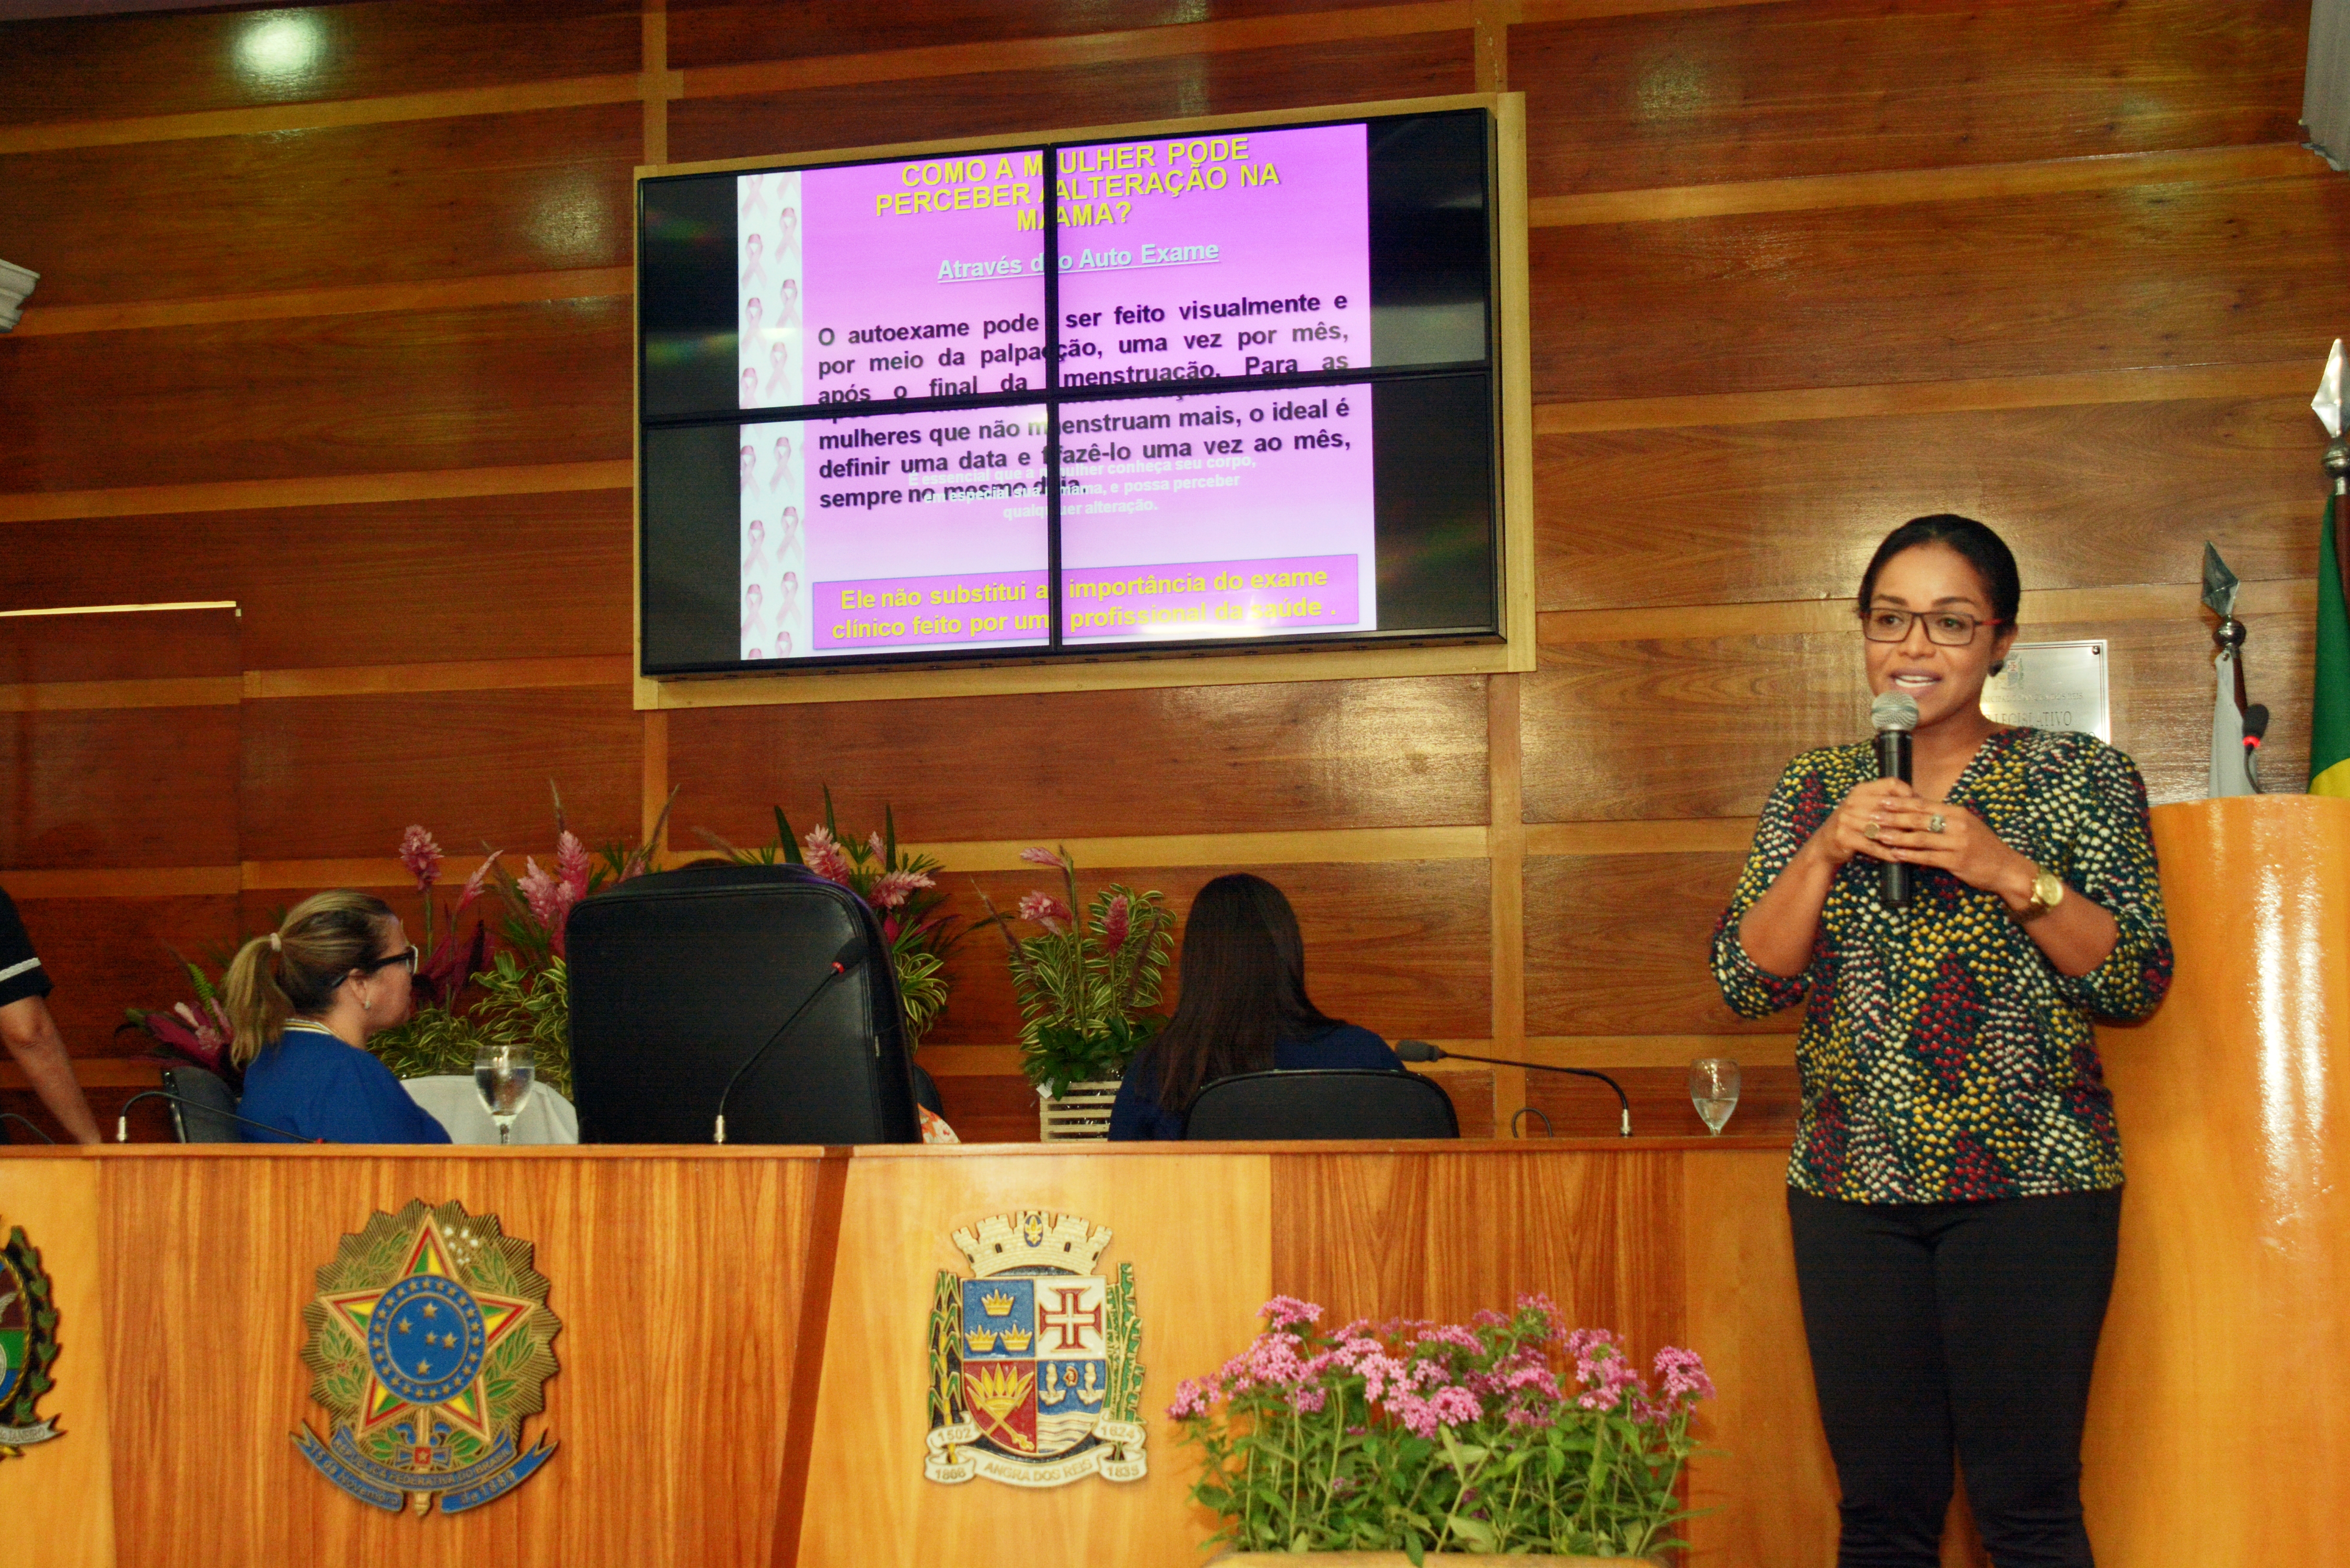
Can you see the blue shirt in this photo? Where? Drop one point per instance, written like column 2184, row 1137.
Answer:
column 314, row 1085
column 1138, row 1116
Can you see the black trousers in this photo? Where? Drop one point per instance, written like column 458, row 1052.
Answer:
column 1965, row 1327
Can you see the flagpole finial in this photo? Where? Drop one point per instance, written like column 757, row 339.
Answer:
column 2337, row 465
column 2327, row 404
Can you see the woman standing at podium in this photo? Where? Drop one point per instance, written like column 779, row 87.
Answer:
column 303, row 1002
column 1955, row 1188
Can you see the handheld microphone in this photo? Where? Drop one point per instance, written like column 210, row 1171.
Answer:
column 123, row 1123
column 1894, row 715
column 1421, row 1051
column 851, row 955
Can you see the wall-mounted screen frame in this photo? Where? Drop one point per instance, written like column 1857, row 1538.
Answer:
column 1109, row 617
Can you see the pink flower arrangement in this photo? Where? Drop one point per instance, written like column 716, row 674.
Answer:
column 1044, row 909
column 1418, row 1436
column 421, row 856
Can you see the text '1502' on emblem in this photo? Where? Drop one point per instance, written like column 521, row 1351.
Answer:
column 29, row 1348
column 1035, row 1360
column 431, row 1345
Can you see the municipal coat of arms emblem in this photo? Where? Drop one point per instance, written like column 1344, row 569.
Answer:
column 29, row 1346
column 1036, row 1369
column 432, row 1344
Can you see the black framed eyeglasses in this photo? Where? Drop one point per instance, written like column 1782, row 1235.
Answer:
column 1951, row 628
column 407, row 956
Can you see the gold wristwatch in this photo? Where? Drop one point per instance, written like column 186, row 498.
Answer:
column 2047, row 892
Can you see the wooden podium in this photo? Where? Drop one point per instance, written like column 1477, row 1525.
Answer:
column 744, row 1346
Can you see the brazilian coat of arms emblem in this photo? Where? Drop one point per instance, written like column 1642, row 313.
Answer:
column 430, row 1344
column 29, row 1346
column 1034, row 1359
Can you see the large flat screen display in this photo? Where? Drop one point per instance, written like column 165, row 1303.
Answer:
column 1234, row 388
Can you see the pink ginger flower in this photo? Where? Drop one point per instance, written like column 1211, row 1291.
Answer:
column 212, row 1033
column 894, row 887
column 1040, row 855
column 881, row 850
column 825, row 856
column 421, row 855
column 1116, row 921
column 548, row 897
column 478, row 880
column 571, row 862
column 1046, row 911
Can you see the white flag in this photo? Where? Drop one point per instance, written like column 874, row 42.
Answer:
column 2228, row 774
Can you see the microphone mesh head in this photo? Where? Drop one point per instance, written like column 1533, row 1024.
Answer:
column 1894, row 711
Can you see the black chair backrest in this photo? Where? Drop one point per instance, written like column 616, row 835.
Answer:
column 195, row 1123
column 1323, row 1102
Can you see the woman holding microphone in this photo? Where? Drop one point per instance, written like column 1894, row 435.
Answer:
column 1955, row 1188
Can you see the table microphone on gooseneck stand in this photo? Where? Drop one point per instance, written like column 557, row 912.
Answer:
column 1421, row 1051
column 122, row 1122
column 1893, row 715
column 851, row 955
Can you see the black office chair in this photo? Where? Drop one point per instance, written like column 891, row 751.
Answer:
column 1333, row 1103
column 195, row 1123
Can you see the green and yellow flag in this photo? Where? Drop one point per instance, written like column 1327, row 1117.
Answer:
column 2329, row 710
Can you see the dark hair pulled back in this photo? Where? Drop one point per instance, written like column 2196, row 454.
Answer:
column 295, row 969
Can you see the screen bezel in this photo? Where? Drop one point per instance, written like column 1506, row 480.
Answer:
column 1185, row 662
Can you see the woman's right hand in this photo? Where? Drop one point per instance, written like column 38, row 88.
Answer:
column 1845, row 834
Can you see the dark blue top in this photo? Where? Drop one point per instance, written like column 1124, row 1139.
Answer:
column 1137, row 1115
column 314, row 1085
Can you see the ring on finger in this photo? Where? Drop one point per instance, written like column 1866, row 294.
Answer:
column 1869, row 832
column 1936, row 823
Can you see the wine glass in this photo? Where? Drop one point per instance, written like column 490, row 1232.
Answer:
column 503, row 1075
column 1714, row 1090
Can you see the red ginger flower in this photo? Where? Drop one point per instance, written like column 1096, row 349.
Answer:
column 421, row 856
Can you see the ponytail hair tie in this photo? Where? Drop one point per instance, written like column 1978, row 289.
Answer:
column 277, row 944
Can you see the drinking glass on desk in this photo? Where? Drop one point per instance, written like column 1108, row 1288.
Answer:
column 503, row 1075
column 1714, row 1090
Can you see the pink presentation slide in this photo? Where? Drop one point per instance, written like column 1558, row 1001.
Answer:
column 879, row 282
column 894, row 533
column 1225, row 516
column 1244, row 253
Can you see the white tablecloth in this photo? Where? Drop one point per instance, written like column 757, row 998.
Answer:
column 546, row 1117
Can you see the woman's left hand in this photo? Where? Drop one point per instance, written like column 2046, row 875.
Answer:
column 1918, row 832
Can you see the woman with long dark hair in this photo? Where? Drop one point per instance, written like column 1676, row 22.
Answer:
column 1955, row 1188
column 1243, row 1009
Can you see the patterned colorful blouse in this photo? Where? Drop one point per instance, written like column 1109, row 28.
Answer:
column 1943, row 1058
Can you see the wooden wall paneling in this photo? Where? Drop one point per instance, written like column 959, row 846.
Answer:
column 1621, row 944
column 1415, row 65
column 705, row 35
column 343, row 776
column 990, row 1108
column 1767, row 1498
column 1194, row 1228
column 1769, row 1101
column 126, row 67
column 1506, row 877
column 2086, row 495
column 105, row 955
column 416, row 582
column 108, row 787
column 213, row 1262
column 1476, row 1099
column 2024, row 286
column 240, row 400
column 136, row 645
column 150, row 1120
column 1313, row 754
column 1679, row 97
column 1401, row 949
column 59, row 1496
column 400, row 202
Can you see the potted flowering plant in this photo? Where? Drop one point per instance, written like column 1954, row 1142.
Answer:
column 1084, row 987
column 896, row 883
column 1505, row 1434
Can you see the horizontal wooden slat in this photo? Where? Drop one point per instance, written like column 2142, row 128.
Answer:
column 87, row 645
column 93, row 1072
column 1838, row 86
column 2087, row 495
column 1769, row 1101
column 1401, row 949
column 1965, row 395
column 1089, row 90
column 170, row 692
column 362, row 299
column 105, row 955
column 326, row 489
column 122, row 882
column 1294, row 757
column 1704, row 727
column 120, row 787
column 1620, row 944
column 401, row 204
column 472, row 675
column 81, row 69
column 2020, row 285
column 1640, row 837
column 1339, row 846
column 281, row 399
column 344, row 775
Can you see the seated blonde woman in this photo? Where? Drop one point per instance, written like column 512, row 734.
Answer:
column 304, row 1002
